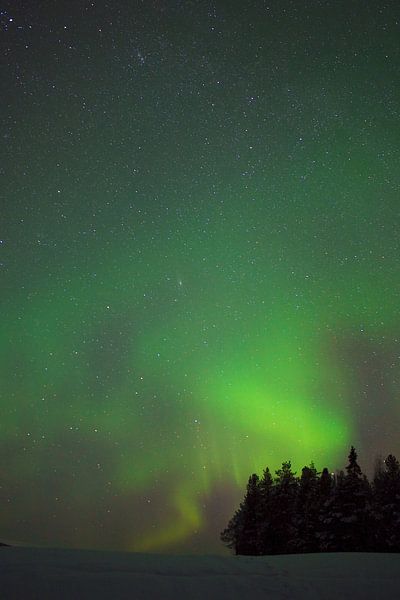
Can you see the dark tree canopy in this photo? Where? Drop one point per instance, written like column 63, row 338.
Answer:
column 319, row 512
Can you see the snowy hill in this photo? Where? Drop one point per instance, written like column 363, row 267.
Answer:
column 32, row 573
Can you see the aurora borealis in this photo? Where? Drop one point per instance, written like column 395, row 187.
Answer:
column 199, row 258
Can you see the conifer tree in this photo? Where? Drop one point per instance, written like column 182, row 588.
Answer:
column 242, row 533
column 284, row 499
column 306, row 512
column 231, row 535
column 353, row 469
column 324, row 492
column 324, row 485
column 347, row 513
column 327, row 513
column 386, row 503
column 267, row 536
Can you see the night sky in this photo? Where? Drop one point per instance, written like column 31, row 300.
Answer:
column 200, row 255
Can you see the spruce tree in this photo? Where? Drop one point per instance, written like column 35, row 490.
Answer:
column 306, row 512
column 231, row 535
column 324, row 486
column 346, row 516
column 386, row 504
column 353, row 469
column 326, row 514
column 266, row 531
column 284, row 499
column 322, row 526
column 242, row 533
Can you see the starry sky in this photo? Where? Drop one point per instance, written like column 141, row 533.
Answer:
column 199, row 258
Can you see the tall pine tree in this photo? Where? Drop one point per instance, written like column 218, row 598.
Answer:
column 284, row 500
column 347, row 514
column 243, row 531
column 386, row 505
column 267, row 537
column 306, row 512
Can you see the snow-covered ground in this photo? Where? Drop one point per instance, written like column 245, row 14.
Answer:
column 41, row 574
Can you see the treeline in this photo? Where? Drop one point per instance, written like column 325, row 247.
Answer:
column 319, row 512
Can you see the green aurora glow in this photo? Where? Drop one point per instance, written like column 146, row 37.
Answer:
column 196, row 284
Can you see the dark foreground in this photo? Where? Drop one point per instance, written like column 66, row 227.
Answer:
column 41, row 574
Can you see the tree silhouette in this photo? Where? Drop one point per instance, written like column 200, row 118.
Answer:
column 242, row 532
column 250, row 519
column 284, row 499
column 325, row 490
column 319, row 512
column 386, row 506
column 231, row 534
column 267, row 539
column 346, row 513
column 306, row 512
